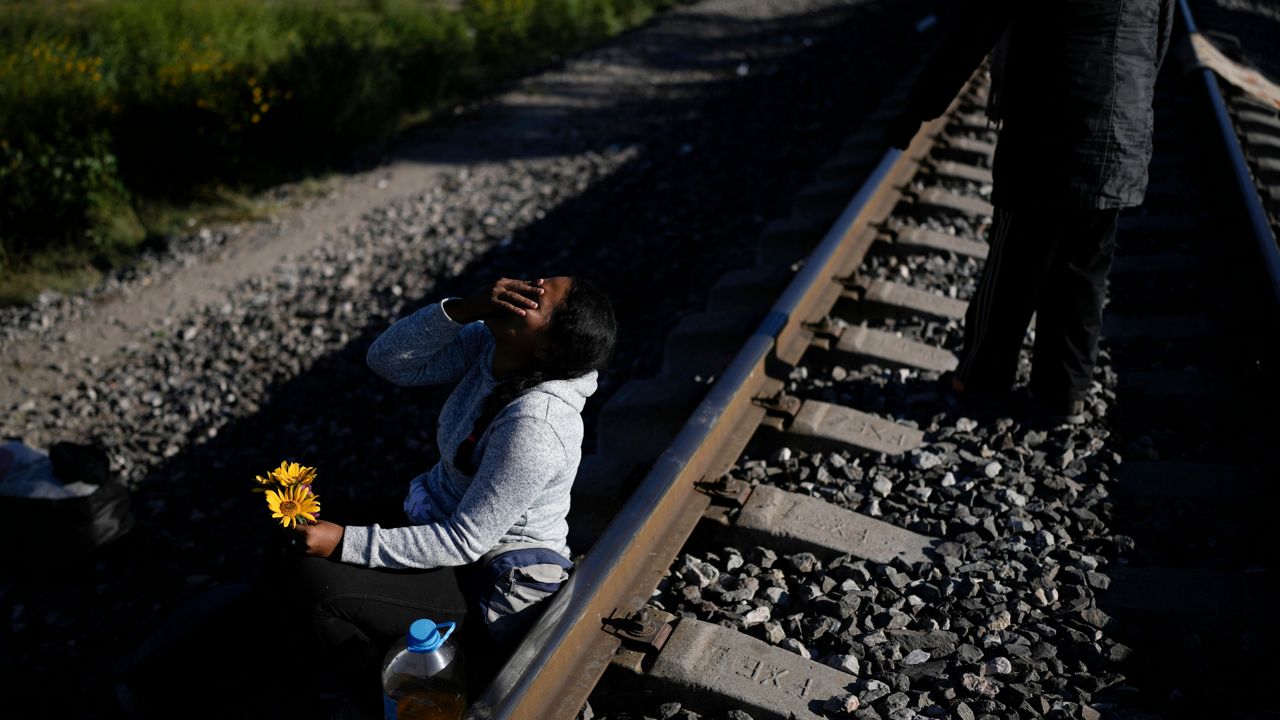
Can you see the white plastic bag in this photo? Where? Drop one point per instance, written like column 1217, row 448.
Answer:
column 28, row 473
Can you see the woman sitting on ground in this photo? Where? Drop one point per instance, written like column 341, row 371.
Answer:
column 525, row 357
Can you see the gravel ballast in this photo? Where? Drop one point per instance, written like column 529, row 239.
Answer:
column 190, row 409
column 1011, row 619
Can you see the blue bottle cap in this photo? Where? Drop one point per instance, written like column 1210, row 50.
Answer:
column 425, row 637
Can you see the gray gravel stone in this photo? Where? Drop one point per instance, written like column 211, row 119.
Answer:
column 979, row 685
column 998, row 666
column 925, row 460
column 795, row 646
column 883, row 486
column 756, row 616
column 915, row 657
column 847, row 704
column 847, row 663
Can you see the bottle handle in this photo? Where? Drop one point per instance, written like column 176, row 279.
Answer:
column 452, row 625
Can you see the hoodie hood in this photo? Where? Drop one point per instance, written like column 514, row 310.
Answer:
column 572, row 392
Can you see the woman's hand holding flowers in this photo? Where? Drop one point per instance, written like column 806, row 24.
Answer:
column 506, row 296
column 291, row 501
column 320, row 539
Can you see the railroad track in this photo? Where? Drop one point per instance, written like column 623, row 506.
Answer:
column 809, row 530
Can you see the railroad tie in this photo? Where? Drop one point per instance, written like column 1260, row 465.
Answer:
column 1262, row 144
column 1267, row 165
column 791, row 522
column 644, row 415
column 968, row 148
column 701, row 344
column 962, row 171
column 921, row 239
column 607, row 476
column 784, row 242
column 753, row 288
column 970, row 122
column 943, row 199
column 1253, row 120
column 825, row 198
column 723, row 669
column 886, row 298
column 850, row 164
column 894, row 351
column 817, row 425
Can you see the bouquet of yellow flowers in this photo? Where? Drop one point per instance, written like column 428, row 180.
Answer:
column 289, row 495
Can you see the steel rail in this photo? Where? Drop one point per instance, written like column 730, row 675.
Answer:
column 1258, row 222
column 553, row 671
column 555, row 668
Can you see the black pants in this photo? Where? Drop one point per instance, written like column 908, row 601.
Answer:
column 358, row 612
column 1053, row 263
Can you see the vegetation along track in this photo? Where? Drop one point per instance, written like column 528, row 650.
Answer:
column 826, row 535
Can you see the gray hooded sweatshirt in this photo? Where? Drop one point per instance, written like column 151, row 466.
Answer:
column 528, row 457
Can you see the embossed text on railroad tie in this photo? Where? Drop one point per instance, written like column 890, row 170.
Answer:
column 870, row 429
column 819, row 423
column 767, row 674
column 796, row 521
column 800, row 512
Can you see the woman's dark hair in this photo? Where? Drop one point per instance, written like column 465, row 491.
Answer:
column 582, row 332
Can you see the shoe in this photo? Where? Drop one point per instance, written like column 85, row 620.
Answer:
column 950, row 386
column 1065, row 411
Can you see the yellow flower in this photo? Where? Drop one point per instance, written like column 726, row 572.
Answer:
column 255, row 118
column 293, row 474
column 264, row 107
column 293, row 505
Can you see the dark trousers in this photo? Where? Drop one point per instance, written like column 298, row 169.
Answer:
column 359, row 612
column 1053, row 263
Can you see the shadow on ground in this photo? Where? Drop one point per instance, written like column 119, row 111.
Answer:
column 714, row 163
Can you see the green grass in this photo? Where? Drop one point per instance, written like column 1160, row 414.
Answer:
column 118, row 116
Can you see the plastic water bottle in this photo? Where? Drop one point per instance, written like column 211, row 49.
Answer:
column 422, row 675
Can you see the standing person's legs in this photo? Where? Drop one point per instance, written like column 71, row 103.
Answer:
column 358, row 612
column 996, row 320
column 1069, row 314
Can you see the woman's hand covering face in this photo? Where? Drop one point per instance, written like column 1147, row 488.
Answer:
column 504, row 297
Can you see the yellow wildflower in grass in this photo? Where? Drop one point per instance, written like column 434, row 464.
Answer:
column 289, row 474
column 293, row 505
